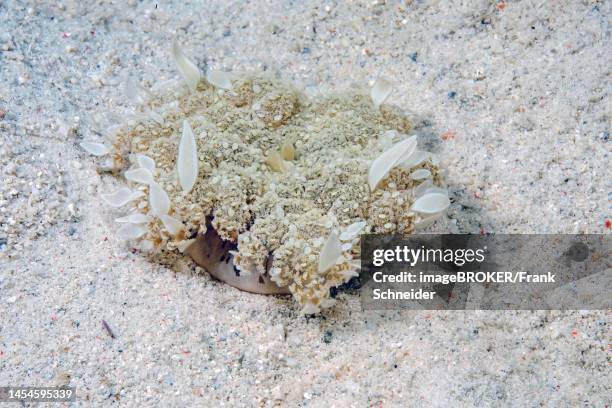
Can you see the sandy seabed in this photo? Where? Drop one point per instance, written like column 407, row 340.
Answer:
column 513, row 94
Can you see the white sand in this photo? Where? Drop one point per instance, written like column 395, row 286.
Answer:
column 518, row 94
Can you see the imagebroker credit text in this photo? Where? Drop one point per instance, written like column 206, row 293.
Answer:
column 465, row 277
